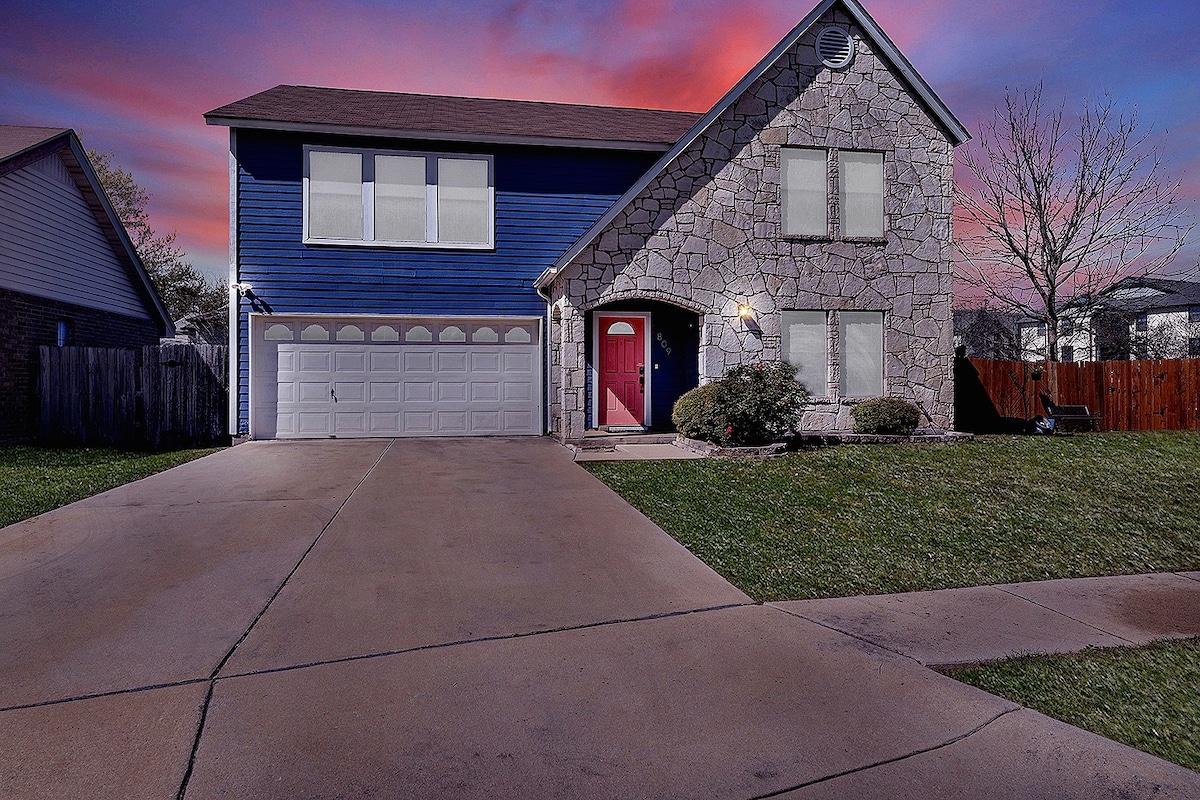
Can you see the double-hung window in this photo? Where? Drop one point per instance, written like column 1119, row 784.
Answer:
column 804, row 197
column 859, row 351
column 861, row 194
column 804, row 193
column 861, row 340
column 395, row 199
column 806, row 347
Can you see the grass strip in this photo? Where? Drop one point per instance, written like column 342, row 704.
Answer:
column 1145, row 697
column 34, row 480
column 873, row 519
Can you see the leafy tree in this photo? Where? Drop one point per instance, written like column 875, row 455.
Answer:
column 1057, row 211
column 183, row 288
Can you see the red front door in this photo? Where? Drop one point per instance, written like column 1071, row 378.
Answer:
column 622, row 371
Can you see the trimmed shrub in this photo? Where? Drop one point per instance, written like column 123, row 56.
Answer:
column 754, row 404
column 889, row 415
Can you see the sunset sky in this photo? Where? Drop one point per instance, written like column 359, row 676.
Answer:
column 136, row 77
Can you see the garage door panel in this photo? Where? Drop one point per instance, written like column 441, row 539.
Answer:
column 385, row 422
column 385, row 360
column 313, row 361
column 485, row 390
column 451, row 391
column 350, row 391
column 418, row 391
column 418, row 361
column 349, row 361
column 486, row 361
column 517, row 391
column 313, row 423
column 312, row 391
column 452, row 361
column 432, row 385
column 418, row 421
column 384, row 391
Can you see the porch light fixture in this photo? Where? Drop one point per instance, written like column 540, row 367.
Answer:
column 243, row 289
column 745, row 312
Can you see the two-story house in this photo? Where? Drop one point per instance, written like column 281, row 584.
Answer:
column 421, row 265
column 1135, row 318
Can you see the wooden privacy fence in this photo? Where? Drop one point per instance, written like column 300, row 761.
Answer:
column 156, row 397
column 1154, row 395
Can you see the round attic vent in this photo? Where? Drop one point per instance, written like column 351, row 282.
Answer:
column 835, row 48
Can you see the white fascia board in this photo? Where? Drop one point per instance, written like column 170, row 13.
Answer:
column 435, row 136
column 958, row 134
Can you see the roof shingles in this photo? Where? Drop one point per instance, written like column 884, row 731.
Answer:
column 392, row 112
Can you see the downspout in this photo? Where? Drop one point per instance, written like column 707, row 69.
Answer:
column 547, row 332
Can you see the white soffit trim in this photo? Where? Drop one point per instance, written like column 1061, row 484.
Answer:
column 957, row 133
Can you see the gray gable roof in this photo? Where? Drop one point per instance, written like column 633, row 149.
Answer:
column 954, row 129
column 444, row 118
column 22, row 145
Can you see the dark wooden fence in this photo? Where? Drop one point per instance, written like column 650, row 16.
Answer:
column 1157, row 395
column 158, row 397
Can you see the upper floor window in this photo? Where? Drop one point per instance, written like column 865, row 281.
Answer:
column 861, row 194
column 804, row 193
column 398, row 199
column 1066, row 327
column 1142, row 322
column 1193, row 313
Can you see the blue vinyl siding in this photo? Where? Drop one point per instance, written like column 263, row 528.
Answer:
column 545, row 199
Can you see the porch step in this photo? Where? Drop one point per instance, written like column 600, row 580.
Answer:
column 611, row 441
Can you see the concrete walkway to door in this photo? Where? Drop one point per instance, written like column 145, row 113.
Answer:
column 461, row 618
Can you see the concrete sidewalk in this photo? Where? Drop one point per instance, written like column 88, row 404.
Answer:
column 952, row 627
column 462, row 618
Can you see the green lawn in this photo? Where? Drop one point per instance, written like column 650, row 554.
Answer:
column 34, row 480
column 868, row 519
column 1144, row 697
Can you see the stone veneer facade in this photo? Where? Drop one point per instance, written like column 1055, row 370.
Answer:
column 705, row 235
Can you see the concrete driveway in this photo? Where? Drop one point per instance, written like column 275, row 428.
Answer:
column 460, row 618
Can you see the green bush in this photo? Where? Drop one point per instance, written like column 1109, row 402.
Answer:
column 753, row 404
column 886, row 415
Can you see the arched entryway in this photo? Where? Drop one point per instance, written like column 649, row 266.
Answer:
column 641, row 355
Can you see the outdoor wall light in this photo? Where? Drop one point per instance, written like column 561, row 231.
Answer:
column 746, row 312
column 243, row 289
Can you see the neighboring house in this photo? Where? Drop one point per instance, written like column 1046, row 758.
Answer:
column 420, row 265
column 202, row 327
column 68, row 273
column 1135, row 318
column 986, row 333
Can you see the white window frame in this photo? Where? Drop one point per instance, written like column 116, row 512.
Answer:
column 431, row 200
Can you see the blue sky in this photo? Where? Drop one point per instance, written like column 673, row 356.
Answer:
column 136, row 77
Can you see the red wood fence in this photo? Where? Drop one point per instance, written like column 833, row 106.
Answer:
column 1159, row 395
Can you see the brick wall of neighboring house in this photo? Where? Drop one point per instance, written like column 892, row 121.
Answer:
column 26, row 322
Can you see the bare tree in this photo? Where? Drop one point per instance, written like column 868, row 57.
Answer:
column 1057, row 210
column 183, row 288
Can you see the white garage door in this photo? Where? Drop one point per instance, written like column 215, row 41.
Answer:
column 316, row 377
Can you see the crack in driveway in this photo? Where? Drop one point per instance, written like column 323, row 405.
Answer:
column 212, row 678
